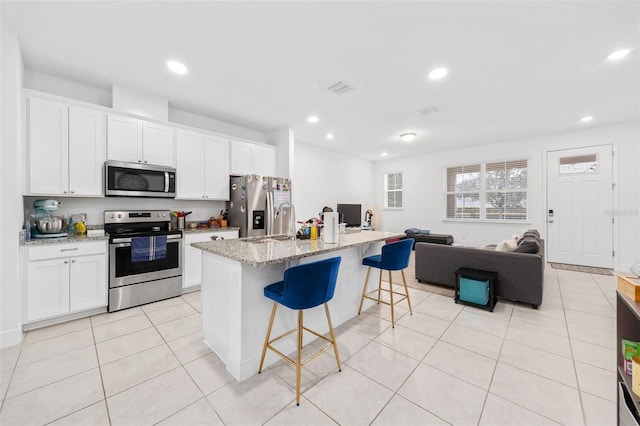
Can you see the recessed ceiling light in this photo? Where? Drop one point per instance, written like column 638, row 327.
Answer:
column 438, row 73
column 384, row 154
column 177, row 67
column 408, row 137
column 330, row 136
column 586, row 119
column 618, row 54
column 313, row 119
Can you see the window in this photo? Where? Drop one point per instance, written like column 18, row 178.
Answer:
column 579, row 164
column 491, row 191
column 393, row 190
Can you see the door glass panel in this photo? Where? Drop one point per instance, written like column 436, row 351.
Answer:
column 579, row 164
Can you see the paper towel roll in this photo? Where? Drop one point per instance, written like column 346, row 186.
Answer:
column 330, row 233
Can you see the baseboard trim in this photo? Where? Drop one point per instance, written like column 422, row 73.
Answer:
column 10, row 338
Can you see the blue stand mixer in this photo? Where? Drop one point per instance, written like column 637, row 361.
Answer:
column 46, row 224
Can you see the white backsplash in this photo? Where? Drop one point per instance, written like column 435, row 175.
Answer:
column 95, row 207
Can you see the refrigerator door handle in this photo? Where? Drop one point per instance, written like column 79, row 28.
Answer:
column 269, row 213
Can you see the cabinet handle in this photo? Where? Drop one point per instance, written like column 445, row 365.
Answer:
column 64, row 192
column 73, row 261
column 66, row 261
column 72, row 192
column 145, row 161
column 139, row 161
column 69, row 249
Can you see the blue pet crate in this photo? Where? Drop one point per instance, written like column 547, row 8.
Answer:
column 476, row 288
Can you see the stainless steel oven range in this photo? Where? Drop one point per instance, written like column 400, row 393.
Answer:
column 133, row 283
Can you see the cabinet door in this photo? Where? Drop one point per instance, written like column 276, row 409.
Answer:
column 47, row 288
column 190, row 165
column 48, row 161
column 216, row 168
column 240, row 158
column 124, row 138
column 192, row 271
column 158, row 144
column 87, row 151
column 88, row 282
column 263, row 160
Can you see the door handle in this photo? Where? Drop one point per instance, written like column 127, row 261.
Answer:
column 550, row 220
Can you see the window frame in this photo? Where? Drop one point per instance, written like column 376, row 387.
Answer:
column 482, row 199
column 386, row 190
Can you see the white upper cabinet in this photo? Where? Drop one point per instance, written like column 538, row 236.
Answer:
column 240, row 158
column 87, row 151
column 66, row 149
column 263, row 160
column 216, row 168
column 203, row 166
column 248, row 158
column 138, row 141
column 158, row 145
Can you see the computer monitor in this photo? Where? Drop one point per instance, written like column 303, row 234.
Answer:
column 351, row 214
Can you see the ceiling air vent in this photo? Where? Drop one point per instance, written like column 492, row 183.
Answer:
column 340, row 88
column 427, row 110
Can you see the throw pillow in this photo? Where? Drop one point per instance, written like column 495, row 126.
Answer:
column 530, row 233
column 528, row 244
column 509, row 244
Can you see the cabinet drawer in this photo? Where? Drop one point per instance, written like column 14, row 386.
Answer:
column 55, row 251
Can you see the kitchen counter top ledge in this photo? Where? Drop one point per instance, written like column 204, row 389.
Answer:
column 187, row 230
column 252, row 252
column 71, row 239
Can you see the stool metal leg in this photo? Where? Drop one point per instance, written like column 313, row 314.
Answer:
column 406, row 290
column 333, row 336
column 364, row 290
column 379, row 285
column 266, row 339
column 299, row 358
column 393, row 320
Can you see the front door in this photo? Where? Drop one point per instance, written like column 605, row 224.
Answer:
column 580, row 206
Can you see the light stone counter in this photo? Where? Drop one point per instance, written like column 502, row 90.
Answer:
column 198, row 230
column 235, row 312
column 261, row 251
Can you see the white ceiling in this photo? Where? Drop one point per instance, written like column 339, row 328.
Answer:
column 516, row 69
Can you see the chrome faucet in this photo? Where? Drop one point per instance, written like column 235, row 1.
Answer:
column 291, row 232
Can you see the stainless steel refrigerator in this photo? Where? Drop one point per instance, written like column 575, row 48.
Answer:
column 253, row 203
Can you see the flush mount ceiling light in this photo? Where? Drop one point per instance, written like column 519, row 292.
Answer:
column 438, row 73
column 177, row 67
column 586, row 119
column 618, row 54
column 408, row 137
column 330, row 136
column 313, row 119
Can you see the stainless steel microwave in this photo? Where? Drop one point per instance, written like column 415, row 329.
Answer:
column 124, row 179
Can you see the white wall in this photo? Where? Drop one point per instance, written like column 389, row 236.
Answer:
column 283, row 139
column 325, row 178
column 423, row 192
column 11, row 77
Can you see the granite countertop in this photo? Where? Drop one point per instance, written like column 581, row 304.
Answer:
column 265, row 251
column 71, row 238
column 188, row 230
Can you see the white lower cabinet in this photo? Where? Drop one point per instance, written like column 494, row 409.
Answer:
column 65, row 278
column 192, row 258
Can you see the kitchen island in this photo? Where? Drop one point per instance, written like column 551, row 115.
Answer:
column 235, row 313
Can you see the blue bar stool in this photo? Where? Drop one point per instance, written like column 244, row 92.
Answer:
column 394, row 257
column 305, row 286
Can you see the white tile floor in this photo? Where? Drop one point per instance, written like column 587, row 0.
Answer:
column 446, row 364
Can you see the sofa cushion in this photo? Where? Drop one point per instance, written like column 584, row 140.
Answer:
column 528, row 244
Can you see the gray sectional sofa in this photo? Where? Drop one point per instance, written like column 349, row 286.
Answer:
column 520, row 275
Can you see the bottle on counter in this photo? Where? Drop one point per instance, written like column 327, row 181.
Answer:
column 314, row 231
column 27, row 229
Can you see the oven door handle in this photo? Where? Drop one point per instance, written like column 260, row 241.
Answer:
column 127, row 241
